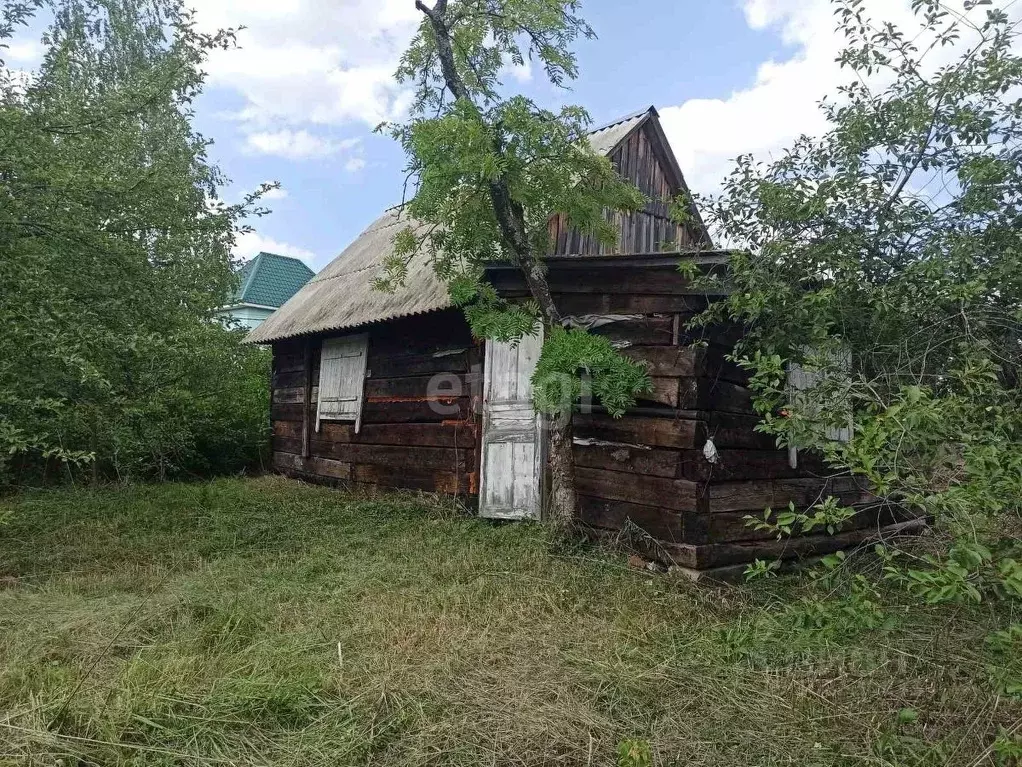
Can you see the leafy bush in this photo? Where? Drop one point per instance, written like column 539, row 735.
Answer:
column 115, row 253
column 885, row 258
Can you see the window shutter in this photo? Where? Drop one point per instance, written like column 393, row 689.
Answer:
column 342, row 372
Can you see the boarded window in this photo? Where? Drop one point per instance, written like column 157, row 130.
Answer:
column 342, row 374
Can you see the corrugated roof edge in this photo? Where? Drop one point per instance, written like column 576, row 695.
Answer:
column 626, row 118
column 334, row 328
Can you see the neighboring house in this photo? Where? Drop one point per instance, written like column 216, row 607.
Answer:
column 266, row 282
column 391, row 389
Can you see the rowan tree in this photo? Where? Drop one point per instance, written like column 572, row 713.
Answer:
column 488, row 170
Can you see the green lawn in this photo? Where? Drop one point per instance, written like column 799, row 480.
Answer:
column 267, row 622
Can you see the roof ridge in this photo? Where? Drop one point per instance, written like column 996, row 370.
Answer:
column 626, row 118
column 250, row 277
column 284, row 257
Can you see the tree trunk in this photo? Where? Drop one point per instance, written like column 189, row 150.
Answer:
column 563, row 499
column 511, row 219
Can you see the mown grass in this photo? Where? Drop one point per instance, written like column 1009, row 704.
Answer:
column 267, row 622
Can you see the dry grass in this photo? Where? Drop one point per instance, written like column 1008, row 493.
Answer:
column 266, row 622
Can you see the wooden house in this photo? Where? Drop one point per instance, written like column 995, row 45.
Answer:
column 392, row 390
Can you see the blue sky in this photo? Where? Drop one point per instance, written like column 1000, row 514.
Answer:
column 297, row 102
column 666, row 52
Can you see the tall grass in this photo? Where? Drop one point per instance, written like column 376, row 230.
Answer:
column 266, row 622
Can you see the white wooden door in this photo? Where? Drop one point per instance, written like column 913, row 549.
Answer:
column 513, row 451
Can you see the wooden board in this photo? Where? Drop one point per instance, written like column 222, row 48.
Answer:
column 576, row 304
column 399, row 365
column 438, row 385
column 655, row 330
column 459, row 434
column 625, row 458
column 734, row 430
column 418, row 410
column 702, row 557
column 732, row 526
column 617, row 515
column 322, row 467
column 677, row 494
column 756, row 495
column 642, row 430
column 398, row 457
column 744, row 464
column 434, row 482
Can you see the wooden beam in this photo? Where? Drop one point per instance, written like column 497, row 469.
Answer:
column 307, row 401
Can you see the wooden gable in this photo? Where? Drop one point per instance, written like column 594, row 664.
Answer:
column 645, row 158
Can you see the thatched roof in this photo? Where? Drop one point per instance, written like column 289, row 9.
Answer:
column 342, row 295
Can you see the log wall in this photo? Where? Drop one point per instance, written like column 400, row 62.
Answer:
column 411, row 436
column 646, row 471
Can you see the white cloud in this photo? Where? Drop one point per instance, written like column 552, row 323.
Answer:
column 782, row 102
column 251, row 243
column 297, row 145
column 278, row 193
column 312, row 62
column 521, row 73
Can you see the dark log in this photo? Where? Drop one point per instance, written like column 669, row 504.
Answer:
column 289, row 429
column 400, row 458
column 711, row 394
column 427, row 334
column 286, row 444
column 648, row 331
column 288, row 380
column 745, row 464
column 417, row 409
column 619, row 457
column 454, row 434
column 449, row 385
column 616, row 515
column 640, row 430
column 292, row 362
column 733, row 526
column 434, row 482
column 721, row 555
column 577, row 304
column 733, row 430
column 665, row 392
column 756, row 495
column 322, row 467
column 291, row 412
column 678, row 494
column 568, row 280
column 399, row 365
column 676, row 361
column 286, row 396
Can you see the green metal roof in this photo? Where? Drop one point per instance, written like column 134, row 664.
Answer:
column 270, row 280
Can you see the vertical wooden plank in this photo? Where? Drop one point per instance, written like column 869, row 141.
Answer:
column 307, row 400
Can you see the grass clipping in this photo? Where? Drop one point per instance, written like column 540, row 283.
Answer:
column 267, row 622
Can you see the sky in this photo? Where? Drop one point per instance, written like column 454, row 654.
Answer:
column 297, row 101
